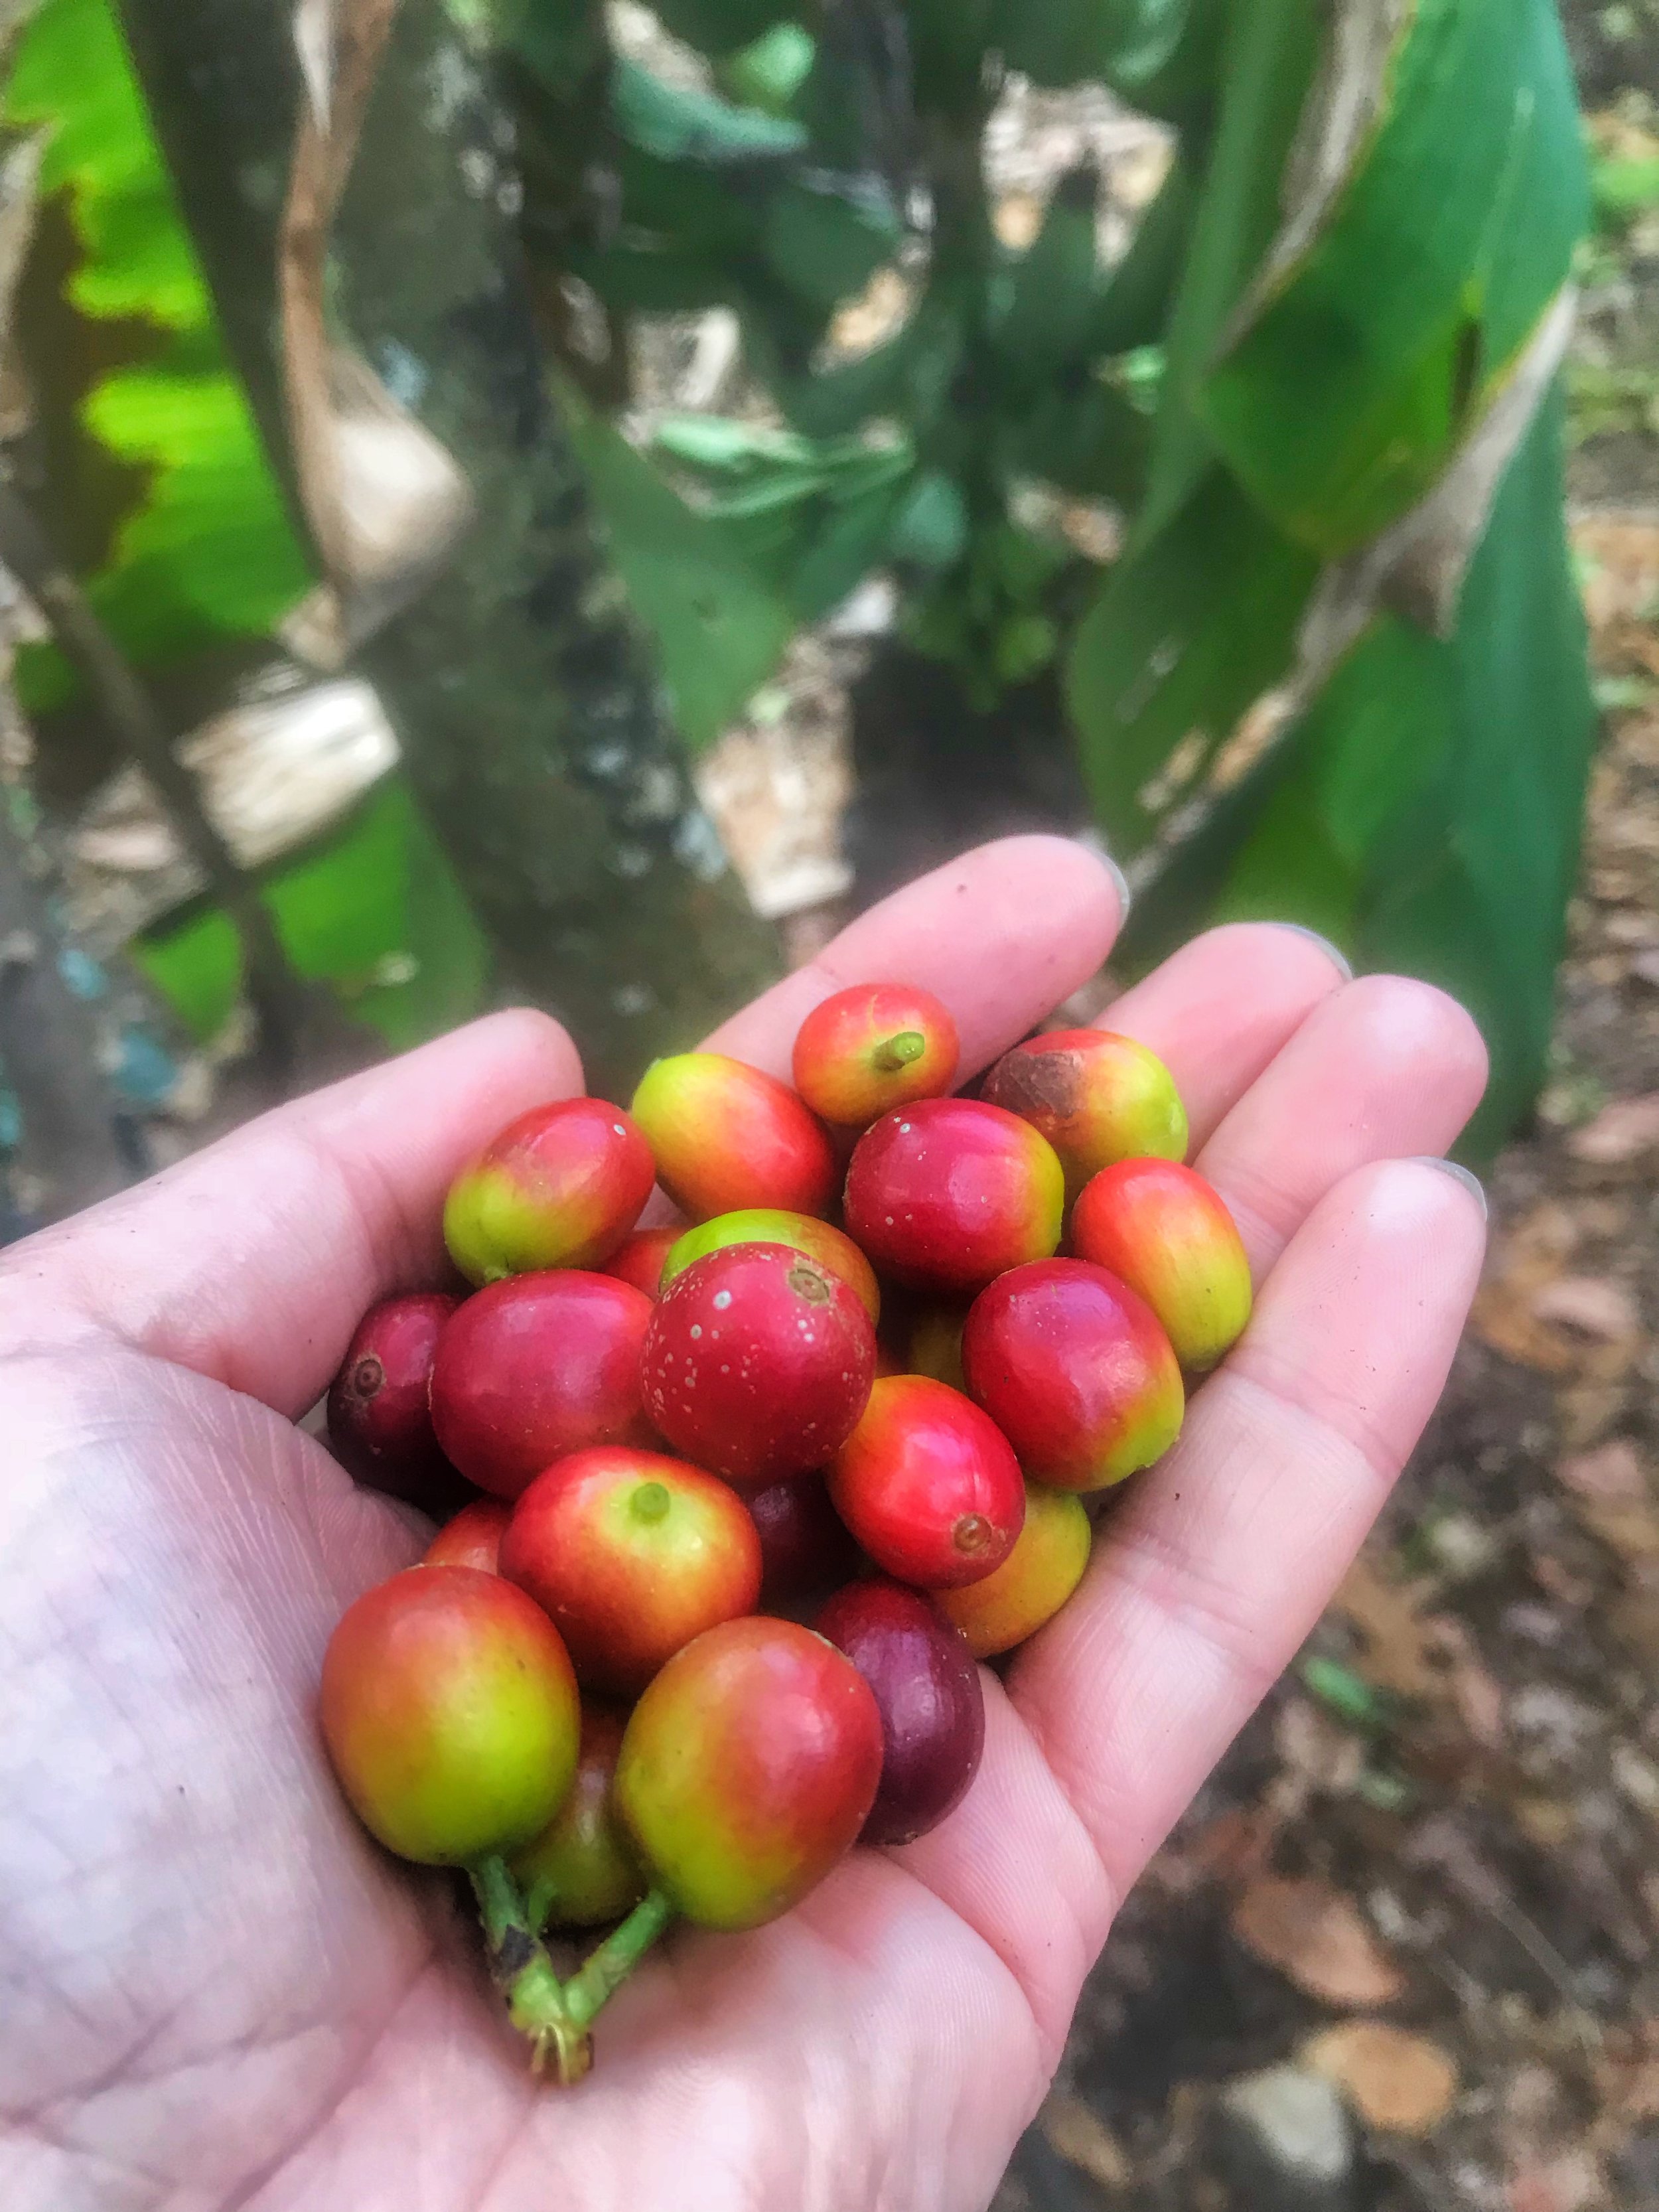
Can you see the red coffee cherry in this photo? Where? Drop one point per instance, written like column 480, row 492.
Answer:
column 561, row 1187
column 946, row 1194
column 928, row 1484
column 757, row 1362
column 873, row 1047
column 1075, row 1371
column 534, row 1368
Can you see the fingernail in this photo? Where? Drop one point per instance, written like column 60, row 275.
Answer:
column 1459, row 1173
column 1338, row 958
column 1125, row 898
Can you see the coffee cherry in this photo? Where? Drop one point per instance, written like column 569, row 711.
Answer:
column 926, row 1688
column 472, row 1539
column 946, row 1194
column 872, row 1048
column 1032, row 1583
column 632, row 1553
column 1075, row 1371
column 764, row 1224
column 726, row 1136
column 559, row 1188
column 378, row 1421
column 534, row 1368
column 1164, row 1230
column 638, row 1259
column 928, row 1484
column 581, row 1871
column 1097, row 1097
column 747, row 1770
column 449, row 1711
column 757, row 1362
column 805, row 1548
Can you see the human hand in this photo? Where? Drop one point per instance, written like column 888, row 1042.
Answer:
column 215, row 1992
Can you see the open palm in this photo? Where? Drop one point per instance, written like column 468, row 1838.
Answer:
column 214, row 1991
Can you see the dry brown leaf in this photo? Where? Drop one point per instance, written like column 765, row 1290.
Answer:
column 1082, row 2138
column 1393, row 2079
column 1398, row 1640
column 1589, row 1306
column 1624, row 1130
column 1613, row 1473
column 1317, row 1937
column 1632, row 1531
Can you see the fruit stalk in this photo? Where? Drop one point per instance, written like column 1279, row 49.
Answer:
column 522, row 1970
column 895, row 1053
column 603, row 1972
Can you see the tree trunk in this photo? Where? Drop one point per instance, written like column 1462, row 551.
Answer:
column 529, row 713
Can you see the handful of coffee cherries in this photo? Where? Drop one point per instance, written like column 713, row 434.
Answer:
column 751, row 1495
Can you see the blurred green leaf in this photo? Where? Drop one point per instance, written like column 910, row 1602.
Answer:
column 1623, row 185
column 720, row 630
column 720, row 27
column 1267, row 61
column 1186, row 632
column 769, row 73
column 824, row 245
column 1345, row 1695
column 1467, row 884
column 208, row 553
column 680, row 125
column 374, row 909
column 931, row 527
column 1388, row 323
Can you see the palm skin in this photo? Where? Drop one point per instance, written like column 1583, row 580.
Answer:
column 215, row 1993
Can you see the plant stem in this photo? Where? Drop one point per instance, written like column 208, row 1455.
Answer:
column 900, row 1051
column 522, row 1970
column 604, row 1971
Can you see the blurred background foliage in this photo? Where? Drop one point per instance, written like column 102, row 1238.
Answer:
column 1255, row 514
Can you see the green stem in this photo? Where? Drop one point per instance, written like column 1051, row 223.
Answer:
column 899, row 1051
column 605, row 1971
column 523, row 1971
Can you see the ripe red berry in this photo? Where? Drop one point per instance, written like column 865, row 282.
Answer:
column 768, row 1224
column 747, row 1770
column 449, row 1711
column 873, row 1047
column 946, row 1194
column 561, row 1187
column 581, row 1871
column 639, row 1259
column 1095, row 1096
column 472, row 1539
column 757, row 1362
column 1164, row 1230
column 805, row 1548
column 534, row 1368
column 927, row 1690
column 378, row 1421
column 928, row 1484
column 727, row 1136
column 632, row 1553
column 1032, row 1583
column 1075, row 1371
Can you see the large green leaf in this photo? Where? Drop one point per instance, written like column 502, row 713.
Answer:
column 718, row 629
column 374, row 909
column 1186, row 633
column 208, row 552
column 1397, row 304
column 1268, row 54
column 1468, row 882
column 677, row 124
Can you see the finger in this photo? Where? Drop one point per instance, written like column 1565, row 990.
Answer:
column 1217, row 1010
column 1384, row 1068
column 1219, row 1562
column 1001, row 936
column 254, row 1261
